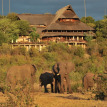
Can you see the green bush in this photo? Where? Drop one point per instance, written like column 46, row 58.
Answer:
column 33, row 52
column 5, row 49
column 76, row 76
column 79, row 51
column 75, row 87
column 101, row 91
column 19, row 51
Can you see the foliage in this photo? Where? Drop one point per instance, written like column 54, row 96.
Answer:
column 19, row 51
column 21, row 95
column 101, row 27
column 101, row 92
column 1, row 16
column 12, row 16
column 105, row 16
column 34, row 35
column 88, row 19
column 9, row 30
column 2, row 38
column 76, row 76
column 23, row 27
column 88, row 38
column 33, row 52
column 5, row 49
column 79, row 51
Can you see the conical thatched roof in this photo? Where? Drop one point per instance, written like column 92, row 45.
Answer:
column 67, row 12
column 52, row 22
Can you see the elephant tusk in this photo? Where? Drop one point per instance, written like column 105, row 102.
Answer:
column 57, row 74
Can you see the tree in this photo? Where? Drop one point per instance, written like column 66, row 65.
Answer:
column 9, row 30
column 23, row 27
column 105, row 16
column 88, row 38
column 101, row 27
column 12, row 16
column 1, row 16
column 79, row 51
column 34, row 35
column 89, row 19
column 2, row 38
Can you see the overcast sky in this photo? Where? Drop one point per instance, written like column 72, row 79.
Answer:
column 95, row 8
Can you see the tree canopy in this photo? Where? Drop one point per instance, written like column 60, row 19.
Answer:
column 8, row 30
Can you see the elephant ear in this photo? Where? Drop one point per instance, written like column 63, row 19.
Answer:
column 33, row 70
column 55, row 69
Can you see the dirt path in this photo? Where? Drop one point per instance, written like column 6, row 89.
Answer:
column 61, row 100
column 66, row 100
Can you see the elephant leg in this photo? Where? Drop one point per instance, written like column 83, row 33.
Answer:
column 55, row 90
column 52, row 87
column 58, row 86
column 86, row 84
column 45, row 87
column 62, row 84
column 65, row 85
column 68, row 84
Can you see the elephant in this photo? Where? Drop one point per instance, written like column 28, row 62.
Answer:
column 61, row 72
column 89, row 80
column 45, row 79
column 23, row 74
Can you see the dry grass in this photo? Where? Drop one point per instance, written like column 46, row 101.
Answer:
column 62, row 100
column 42, row 99
column 66, row 100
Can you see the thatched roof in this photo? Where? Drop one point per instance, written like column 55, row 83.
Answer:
column 78, row 25
column 47, row 34
column 52, row 21
column 65, row 12
column 37, row 19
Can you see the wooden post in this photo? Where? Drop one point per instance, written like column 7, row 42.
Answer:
column 77, row 38
column 73, row 38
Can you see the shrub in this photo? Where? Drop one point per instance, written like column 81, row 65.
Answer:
column 5, row 49
column 33, row 52
column 101, row 91
column 19, row 51
column 76, row 76
column 75, row 87
column 79, row 51
column 21, row 96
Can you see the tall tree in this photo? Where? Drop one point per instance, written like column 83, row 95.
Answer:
column 101, row 27
column 12, row 16
column 8, row 30
column 23, row 27
column 34, row 35
column 89, row 21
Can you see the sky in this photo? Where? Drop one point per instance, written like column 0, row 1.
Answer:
column 95, row 8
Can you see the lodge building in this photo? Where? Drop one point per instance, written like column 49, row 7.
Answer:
column 64, row 26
